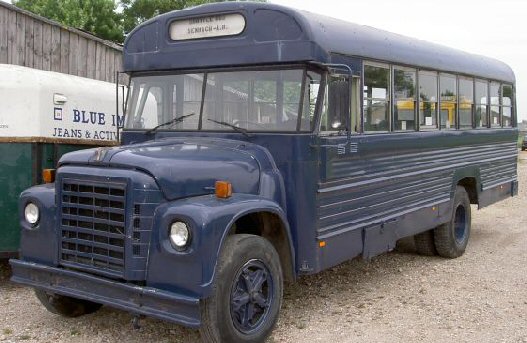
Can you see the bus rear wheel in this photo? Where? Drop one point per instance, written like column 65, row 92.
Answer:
column 247, row 294
column 451, row 238
column 66, row 306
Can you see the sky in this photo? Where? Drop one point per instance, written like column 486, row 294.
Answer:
column 496, row 28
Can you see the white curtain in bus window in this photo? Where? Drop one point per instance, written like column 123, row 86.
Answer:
column 186, row 100
column 495, row 104
column 506, row 101
column 481, row 97
column 466, row 102
column 405, row 96
column 428, row 99
column 448, row 111
column 376, row 92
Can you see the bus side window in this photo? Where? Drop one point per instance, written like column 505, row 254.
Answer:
column 376, row 98
column 506, row 105
column 466, row 102
column 481, row 98
column 495, row 117
column 336, row 107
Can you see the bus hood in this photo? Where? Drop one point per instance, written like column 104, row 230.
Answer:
column 182, row 167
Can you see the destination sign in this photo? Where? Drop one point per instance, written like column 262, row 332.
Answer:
column 207, row 27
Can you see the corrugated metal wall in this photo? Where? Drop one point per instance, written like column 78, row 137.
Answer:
column 32, row 41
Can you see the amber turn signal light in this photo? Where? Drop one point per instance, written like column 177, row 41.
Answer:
column 48, row 175
column 223, row 189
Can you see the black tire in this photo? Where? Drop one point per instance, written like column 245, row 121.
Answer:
column 451, row 238
column 242, row 258
column 66, row 306
column 424, row 243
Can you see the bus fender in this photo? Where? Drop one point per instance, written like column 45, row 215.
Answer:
column 210, row 220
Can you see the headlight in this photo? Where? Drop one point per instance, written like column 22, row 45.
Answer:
column 32, row 213
column 179, row 235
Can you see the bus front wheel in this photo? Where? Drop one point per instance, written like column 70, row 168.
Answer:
column 451, row 238
column 247, row 294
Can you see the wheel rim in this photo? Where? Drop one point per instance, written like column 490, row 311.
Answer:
column 460, row 224
column 251, row 296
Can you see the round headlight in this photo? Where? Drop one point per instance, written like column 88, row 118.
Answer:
column 32, row 214
column 179, row 234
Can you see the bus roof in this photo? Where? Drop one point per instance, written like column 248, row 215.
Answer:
column 277, row 34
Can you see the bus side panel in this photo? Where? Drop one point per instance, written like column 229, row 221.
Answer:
column 390, row 184
column 15, row 176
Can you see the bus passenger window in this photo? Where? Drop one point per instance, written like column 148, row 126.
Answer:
column 495, row 119
column 448, row 101
column 466, row 102
column 376, row 98
column 481, row 98
column 506, row 102
column 336, row 107
column 428, row 100
column 405, row 97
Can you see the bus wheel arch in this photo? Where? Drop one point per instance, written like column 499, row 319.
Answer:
column 272, row 227
column 471, row 187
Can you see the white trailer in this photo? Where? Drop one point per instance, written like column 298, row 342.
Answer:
column 44, row 106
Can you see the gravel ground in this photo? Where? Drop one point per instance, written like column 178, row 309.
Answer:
column 396, row 297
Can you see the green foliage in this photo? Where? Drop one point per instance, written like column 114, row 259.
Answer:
column 96, row 16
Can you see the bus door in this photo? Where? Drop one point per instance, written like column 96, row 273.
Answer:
column 337, row 143
column 338, row 123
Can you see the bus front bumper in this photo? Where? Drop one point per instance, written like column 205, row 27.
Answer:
column 140, row 300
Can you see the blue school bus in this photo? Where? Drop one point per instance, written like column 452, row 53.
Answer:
column 263, row 143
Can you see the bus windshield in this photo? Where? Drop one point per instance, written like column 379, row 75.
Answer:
column 251, row 100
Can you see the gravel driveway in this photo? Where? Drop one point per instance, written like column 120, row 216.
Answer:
column 396, row 297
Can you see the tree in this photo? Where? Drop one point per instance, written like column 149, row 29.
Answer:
column 137, row 11
column 96, row 16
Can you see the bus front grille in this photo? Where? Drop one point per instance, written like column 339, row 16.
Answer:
column 93, row 226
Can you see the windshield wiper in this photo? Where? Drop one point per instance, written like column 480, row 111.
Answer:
column 172, row 121
column 234, row 127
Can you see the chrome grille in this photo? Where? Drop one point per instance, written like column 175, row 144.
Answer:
column 93, row 225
